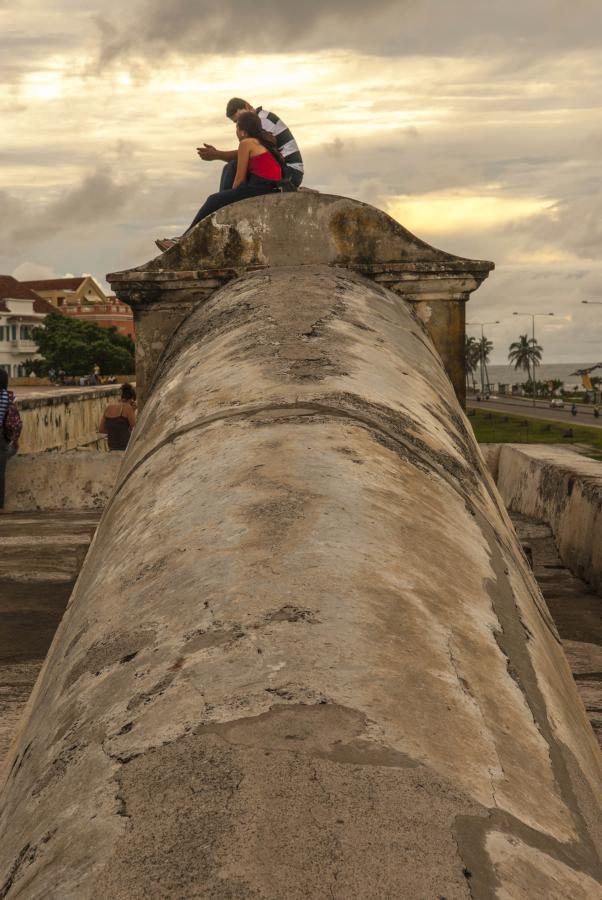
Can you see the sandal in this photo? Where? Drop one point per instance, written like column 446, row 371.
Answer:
column 166, row 243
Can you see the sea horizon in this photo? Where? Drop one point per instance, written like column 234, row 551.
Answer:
column 507, row 374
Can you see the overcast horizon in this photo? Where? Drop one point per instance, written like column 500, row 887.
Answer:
column 477, row 126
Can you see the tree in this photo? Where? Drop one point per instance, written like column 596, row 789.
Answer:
column 75, row 347
column 472, row 355
column 525, row 354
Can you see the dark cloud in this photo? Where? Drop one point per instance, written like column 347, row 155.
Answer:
column 95, row 200
column 385, row 27
column 204, row 27
column 572, row 225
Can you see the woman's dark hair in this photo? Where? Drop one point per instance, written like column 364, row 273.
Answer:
column 251, row 123
column 127, row 391
column 3, row 378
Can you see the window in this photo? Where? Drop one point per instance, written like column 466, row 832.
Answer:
column 13, row 332
column 1, row 333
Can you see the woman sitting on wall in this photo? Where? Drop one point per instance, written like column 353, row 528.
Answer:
column 119, row 419
column 259, row 171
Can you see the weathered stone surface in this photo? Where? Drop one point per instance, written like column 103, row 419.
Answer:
column 575, row 608
column 63, row 421
column 302, row 229
column 324, row 667
column 76, row 480
column 563, row 488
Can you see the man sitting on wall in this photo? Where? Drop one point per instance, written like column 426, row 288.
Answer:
column 285, row 144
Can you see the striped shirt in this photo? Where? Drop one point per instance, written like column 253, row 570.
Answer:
column 285, row 141
column 4, row 404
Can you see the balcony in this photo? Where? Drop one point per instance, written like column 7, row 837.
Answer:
column 23, row 345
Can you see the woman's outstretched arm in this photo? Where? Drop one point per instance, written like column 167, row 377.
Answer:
column 244, row 151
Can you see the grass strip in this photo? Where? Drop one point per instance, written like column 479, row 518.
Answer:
column 499, row 428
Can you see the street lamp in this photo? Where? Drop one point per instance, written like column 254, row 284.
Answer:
column 482, row 353
column 533, row 317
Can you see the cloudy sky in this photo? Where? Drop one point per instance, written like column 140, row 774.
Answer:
column 476, row 123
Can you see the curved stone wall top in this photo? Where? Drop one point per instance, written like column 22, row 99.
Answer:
column 299, row 229
column 304, row 228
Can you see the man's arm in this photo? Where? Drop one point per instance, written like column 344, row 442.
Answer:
column 209, row 153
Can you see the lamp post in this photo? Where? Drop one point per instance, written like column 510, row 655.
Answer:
column 482, row 348
column 533, row 317
column 594, row 303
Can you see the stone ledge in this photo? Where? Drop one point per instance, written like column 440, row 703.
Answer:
column 564, row 489
column 292, row 229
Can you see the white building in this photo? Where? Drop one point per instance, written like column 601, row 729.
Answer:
column 21, row 309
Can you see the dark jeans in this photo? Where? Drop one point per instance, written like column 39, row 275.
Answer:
column 6, row 451
column 229, row 171
column 254, row 187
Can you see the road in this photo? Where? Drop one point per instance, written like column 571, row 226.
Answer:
column 542, row 410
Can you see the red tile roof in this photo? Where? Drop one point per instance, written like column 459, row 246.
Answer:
column 43, row 306
column 56, row 284
column 11, row 289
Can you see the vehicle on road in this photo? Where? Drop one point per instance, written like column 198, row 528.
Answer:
column 556, row 403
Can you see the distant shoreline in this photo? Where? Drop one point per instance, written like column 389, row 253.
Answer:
column 507, row 374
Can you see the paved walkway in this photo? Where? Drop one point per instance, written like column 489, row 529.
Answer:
column 575, row 608
column 42, row 554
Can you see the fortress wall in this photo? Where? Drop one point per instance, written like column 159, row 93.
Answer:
column 73, row 480
column 305, row 656
column 564, row 489
column 63, row 421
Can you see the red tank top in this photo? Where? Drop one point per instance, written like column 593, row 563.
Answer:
column 265, row 166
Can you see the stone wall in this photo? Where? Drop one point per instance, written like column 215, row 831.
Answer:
column 76, row 480
column 562, row 488
column 64, row 421
column 323, row 666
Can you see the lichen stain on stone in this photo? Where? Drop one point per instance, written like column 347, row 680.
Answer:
column 117, row 649
column 356, row 233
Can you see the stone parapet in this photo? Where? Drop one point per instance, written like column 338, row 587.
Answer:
column 76, row 480
column 564, row 489
column 298, row 230
column 64, row 420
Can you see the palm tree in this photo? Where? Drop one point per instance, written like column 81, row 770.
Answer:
column 472, row 354
column 525, row 354
column 485, row 348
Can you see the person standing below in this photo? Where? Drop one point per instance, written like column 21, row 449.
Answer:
column 285, row 144
column 119, row 419
column 8, row 442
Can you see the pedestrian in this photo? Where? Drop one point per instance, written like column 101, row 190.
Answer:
column 597, row 411
column 573, row 410
column 259, row 171
column 119, row 419
column 270, row 122
column 10, row 431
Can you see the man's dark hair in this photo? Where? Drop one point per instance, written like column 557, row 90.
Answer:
column 3, row 378
column 234, row 105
